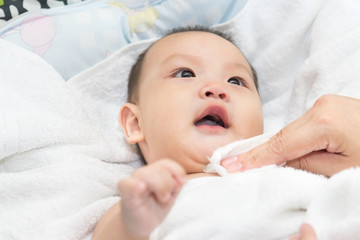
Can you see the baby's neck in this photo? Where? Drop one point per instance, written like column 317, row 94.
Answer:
column 196, row 175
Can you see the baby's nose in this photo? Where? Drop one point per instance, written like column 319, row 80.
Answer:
column 214, row 91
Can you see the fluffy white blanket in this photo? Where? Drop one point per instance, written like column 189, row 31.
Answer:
column 266, row 203
column 61, row 152
column 54, row 183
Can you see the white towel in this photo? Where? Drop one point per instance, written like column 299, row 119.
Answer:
column 265, row 203
column 54, row 183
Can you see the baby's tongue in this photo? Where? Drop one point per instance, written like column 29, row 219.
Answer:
column 206, row 122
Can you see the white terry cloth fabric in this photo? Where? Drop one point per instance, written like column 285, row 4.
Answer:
column 53, row 182
column 266, row 203
column 334, row 211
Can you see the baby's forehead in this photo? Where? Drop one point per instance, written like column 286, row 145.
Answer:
column 168, row 41
column 183, row 41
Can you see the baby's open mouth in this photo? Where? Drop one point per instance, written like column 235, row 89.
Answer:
column 211, row 120
column 213, row 116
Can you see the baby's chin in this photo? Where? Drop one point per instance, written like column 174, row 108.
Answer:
column 194, row 156
column 210, row 146
column 206, row 152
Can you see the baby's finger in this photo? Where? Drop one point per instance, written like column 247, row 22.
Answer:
column 173, row 178
column 176, row 170
column 162, row 179
column 146, row 184
column 164, row 187
column 131, row 188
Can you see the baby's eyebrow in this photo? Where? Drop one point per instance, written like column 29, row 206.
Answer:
column 187, row 57
column 236, row 65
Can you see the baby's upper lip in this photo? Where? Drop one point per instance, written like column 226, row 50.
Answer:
column 217, row 113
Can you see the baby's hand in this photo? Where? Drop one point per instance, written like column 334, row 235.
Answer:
column 148, row 195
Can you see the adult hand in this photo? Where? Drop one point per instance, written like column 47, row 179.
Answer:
column 306, row 233
column 324, row 140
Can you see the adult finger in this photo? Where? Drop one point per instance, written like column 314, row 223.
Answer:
column 307, row 232
column 331, row 125
column 290, row 143
column 285, row 145
column 321, row 162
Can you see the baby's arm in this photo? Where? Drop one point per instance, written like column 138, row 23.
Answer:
column 146, row 198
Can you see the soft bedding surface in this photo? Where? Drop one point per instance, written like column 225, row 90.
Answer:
column 75, row 37
column 266, row 203
column 61, row 150
column 14, row 8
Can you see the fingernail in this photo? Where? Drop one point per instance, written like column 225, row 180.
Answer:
column 228, row 161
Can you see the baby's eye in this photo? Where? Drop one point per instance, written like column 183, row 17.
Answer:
column 185, row 74
column 236, row 81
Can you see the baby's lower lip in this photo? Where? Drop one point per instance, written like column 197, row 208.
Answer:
column 210, row 128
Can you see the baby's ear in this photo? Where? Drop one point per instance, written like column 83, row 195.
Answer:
column 129, row 122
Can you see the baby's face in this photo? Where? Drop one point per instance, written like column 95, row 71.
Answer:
column 196, row 93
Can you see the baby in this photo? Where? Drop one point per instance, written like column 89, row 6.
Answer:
column 190, row 92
